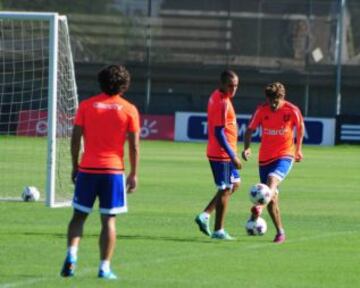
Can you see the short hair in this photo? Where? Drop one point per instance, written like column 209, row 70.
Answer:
column 226, row 75
column 275, row 90
column 114, row 79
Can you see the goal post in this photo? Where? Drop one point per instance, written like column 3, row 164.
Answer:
column 38, row 99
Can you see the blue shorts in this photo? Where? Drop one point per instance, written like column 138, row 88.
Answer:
column 279, row 168
column 225, row 174
column 110, row 188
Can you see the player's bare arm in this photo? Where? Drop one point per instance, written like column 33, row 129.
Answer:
column 75, row 150
column 299, row 139
column 246, row 153
column 134, row 147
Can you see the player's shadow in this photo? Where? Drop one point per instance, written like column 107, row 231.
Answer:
column 165, row 238
column 49, row 234
column 205, row 239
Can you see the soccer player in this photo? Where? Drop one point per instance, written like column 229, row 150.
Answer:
column 221, row 152
column 103, row 122
column 277, row 118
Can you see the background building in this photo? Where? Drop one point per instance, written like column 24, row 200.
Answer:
column 175, row 50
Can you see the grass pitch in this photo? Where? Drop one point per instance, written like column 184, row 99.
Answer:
column 160, row 246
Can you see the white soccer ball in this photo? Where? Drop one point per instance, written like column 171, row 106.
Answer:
column 256, row 227
column 30, row 194
column 260, row 194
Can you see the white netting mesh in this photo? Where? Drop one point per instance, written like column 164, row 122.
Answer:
column 24, row 90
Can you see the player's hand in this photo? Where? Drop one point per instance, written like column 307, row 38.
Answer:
column 246, row 154
column 74, row 173
column 131, row 183
column 237, row 162
column 298, row 156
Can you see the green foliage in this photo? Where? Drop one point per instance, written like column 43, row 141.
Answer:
column 160, row 246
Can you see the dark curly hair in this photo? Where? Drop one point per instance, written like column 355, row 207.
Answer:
column 275, row 90
column 114, row 79
column 226, row 75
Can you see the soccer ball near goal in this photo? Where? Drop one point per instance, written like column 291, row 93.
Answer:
column 38, row 97
column 30, row 194
column 260, row 194
column 256, row 227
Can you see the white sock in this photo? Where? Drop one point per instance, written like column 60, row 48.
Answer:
column 72, row 251
column 105, row 265
column 282, row 231
column 205, row 215
column 220, row 231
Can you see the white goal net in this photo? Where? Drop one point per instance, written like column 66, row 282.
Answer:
column 38, row 98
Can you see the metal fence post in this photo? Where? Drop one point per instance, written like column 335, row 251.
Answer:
column 338, row 56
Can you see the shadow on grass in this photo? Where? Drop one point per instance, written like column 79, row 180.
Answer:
column 199, row 239
column 166, row 238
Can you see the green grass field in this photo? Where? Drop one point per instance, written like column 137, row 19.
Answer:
column 160, row 246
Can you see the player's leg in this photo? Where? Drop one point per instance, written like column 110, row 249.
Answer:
column 273, row 206
column 212, row 204
column 278, row 170
column 107, row 241
column 112, row 201
column 223, row 197
column 227, row 179
column 75, row 228
column 84, row 198
column 74, row 234
column 222, row 200
column 235, row 180
column 107, row 238
column 203, row 219
column 256, row 210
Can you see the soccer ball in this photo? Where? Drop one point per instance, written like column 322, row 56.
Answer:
column 260, row 194
column 30, row 194
column 256, row 227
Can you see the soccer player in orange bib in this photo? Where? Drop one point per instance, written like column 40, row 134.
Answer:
column 104, row 122
column 221, row 152
column 277, row 119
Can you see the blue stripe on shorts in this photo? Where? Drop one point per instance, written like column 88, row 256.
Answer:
column 279, row 168
column 109, row 188
column 225, row 174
